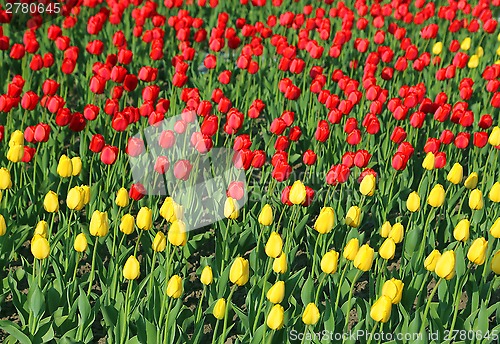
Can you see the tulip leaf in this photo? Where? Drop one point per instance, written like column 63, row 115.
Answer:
column 14, row 330
column 36, row 300
column 307, row 293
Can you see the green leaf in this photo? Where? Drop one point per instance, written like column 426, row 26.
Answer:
column 307, row 293
column 15, row 331
column 36, row 300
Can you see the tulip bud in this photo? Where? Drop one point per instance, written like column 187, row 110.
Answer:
column 494, row 194
column 428, row 162
column 76, row 166
column 311, row 314
column 461, row 231
column 3, row 226
column 231, row 209
column 80, row 244
column 276, row 293
column 177, row 233
column 437, row 48
column 275, row 318
column 431, row 260
column 131, row 269
column 367, row 186
column 465, row 45
column 122, row 198
column 297, row 193
column 329, row 262
column 413, row 202
column 436, row 197
column 351, row 249
column 5, row 180
column 15, row 153
column 207, row 276
column 75, row 199
column 364, row 258
column 40, row 247
column 127, row 224
column 325, row 221
column 51, row 202
column 476, row 200
column 494, row 138
column 144, row 219
column 99, row 224
column 353, row 216
column 495, row 263
column 495, row 229
column 266, row 215
column 381, row 309
column 397, row 233
column 219, row 310
column 456, row 174
column 473, row 62
column 86, row 194
column 393, row 289
column 274, row 245
column 159, row 242
column 239, row 272
column 40, row 229
column 471, row 181
column 174, row 287
column 16, row 138
column 280, row 265
column 385, row 229
column 170, row 210
column 445, row 266
column 477, row 251
column 65, row 167
column 387, row 249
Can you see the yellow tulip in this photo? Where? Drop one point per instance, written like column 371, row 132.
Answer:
column 15, row 153
column 122, row 198
column 387, row 249
column 132, row 268
column 276, row 317
column 65, row 167
column 76, row 166
column 159, row 242
column 494, row 194
column 477, row 251
column 437, row 48
column 353, row 216
column 473, row 62
column 461, row 231
column 274, row 245
column 51, row 202
column 495, row 263
column 280, row 265
column 364, row 258
column 80, row 244
column 276, row 293
column 445, row 266
column 471, row 181
column 495, row 229
column 393, row 289
column 3, row 226
column 465, row 45
column 428, row 162
column 436, row 197
column 368, row 184
column 16, row 138
column 351, row 249
column 494, row 138
column 127, row 224
column 177, row 233
column 413, row 202
column 144, row 219
column 266, row 215
column 174, row 287
column 311, row 314
column 76, row 198
column 297, row 193
column 5, row 180
column 431, row 260
column 476, row 200
column 381, row 309
column 41, row 228
column 231, row 209
column 397, row 233
column 99, row 224
column 385, row 229
column 40, row 247
column 325, row 221
column 239, row 272
column 167, row 210
column 207, row 276
column 456, row 174
column 219, row 310
column 480, row 51
column 86, row 193
column 329, row 262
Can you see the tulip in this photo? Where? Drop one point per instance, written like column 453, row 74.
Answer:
column 276, row 293
column 431, row 260
column 437, row 48
column 367, row 186
column 174, row 287
column 461, row 231
column 325, row 221
column 170, row 210
column 473, row 62
column 41, row 228
column 297, row 193
column 16, row 138
column 131, row 269
column 351, row 249
column 40, row 247
column 471, row 181
column 144, row 218
column 477, row 251
column 353, row 216
column 5, row 180
column 387, row 249
column 207, row 276
column 385, row 229
column 311, row 314
column 274, row 245
column 393, row 289
column 476, row 200
column 381, row 309
column 219, row 310
column 127, row 224
column 122, row 198
column 413, row 202
column 428, row 162
column 75, row 199
column 99, row 224
column 177, row 233
column 65, row 167
column 494, row 194
column 329, row 262
column 15, row 153
column 494, row 138
column 3, row 226
column 239, row 272
column 397, row 233
column 280, row 265
column 231, row 209
column 364, row 258
column 86, row 194
column 76, row 166
column 436, row 197
column 465, row 45
column 456, row 174
column 275, row 318
column 445, row 266
column 159, row 242
column 495, row 263
column 80, row 244
column 266, row 215
column 51, row 202
column 495, row 229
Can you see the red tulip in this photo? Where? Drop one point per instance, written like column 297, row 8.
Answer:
column 97, row 143
column 109, row 154
column 137, row 191
column 162, row 164
column 309, row 157
column 182, row 169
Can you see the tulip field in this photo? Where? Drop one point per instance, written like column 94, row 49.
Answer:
column 249, row 171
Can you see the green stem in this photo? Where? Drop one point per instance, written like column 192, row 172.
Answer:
column 321, row 280
column 167, row 328
column 127, row 311
column 428, row 305
column 372, row 333
column 151, row 276
column 200, row 304
column 215, row 331
column 91, row 279
column 351, row 290
column 226, row 314
column 337, row 299
column 268, row 271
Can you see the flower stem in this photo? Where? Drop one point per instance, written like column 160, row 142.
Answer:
column 91, row 279
column 223, row 335
column 428, row 305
